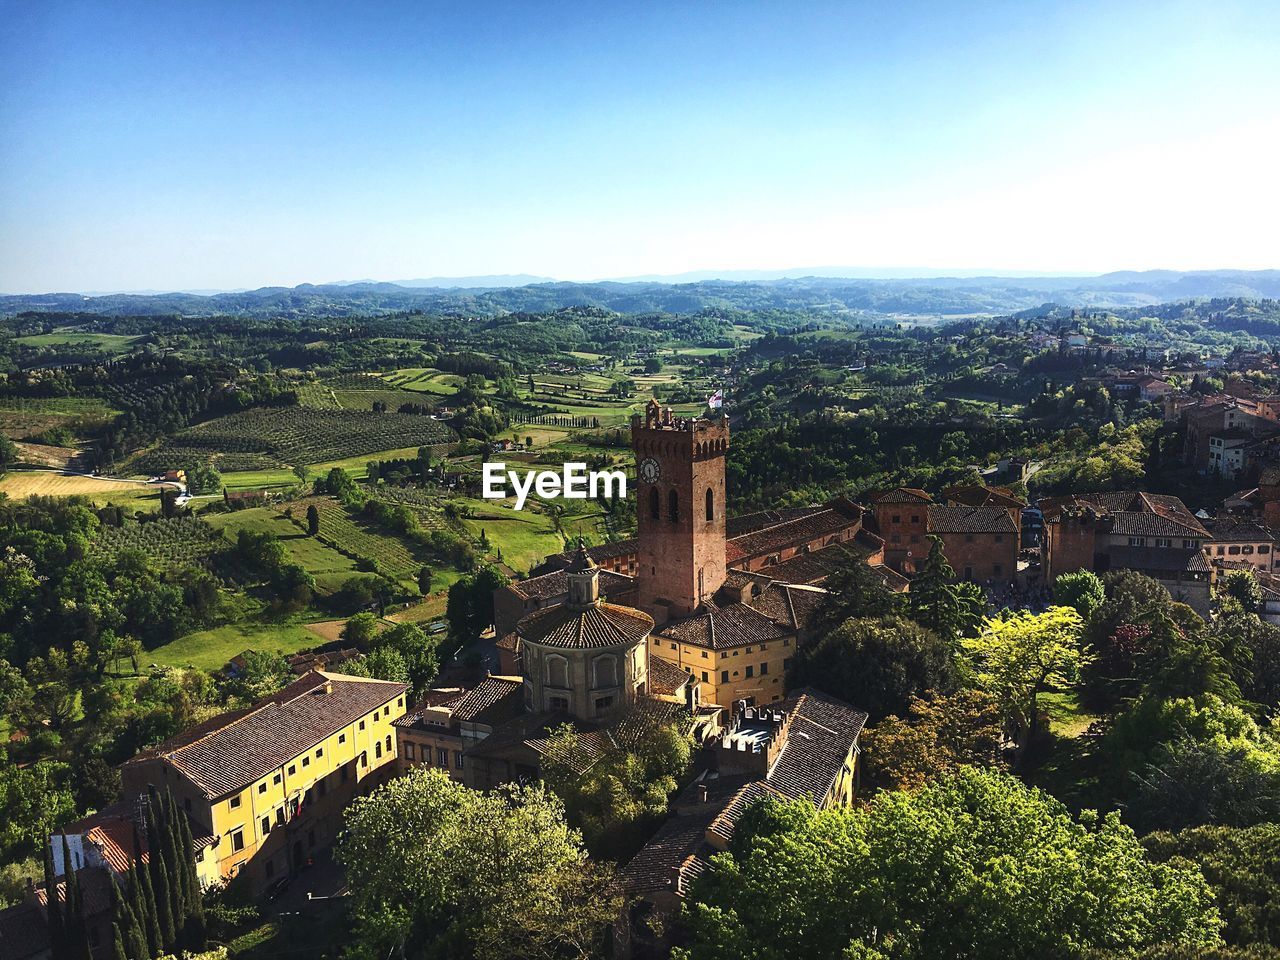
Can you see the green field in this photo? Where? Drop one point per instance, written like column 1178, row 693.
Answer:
column 525, row 536
column 114, row 343
column 329, row 567
column 211, row 649
column 425, row 380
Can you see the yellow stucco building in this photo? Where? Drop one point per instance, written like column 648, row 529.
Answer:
column 267, row 785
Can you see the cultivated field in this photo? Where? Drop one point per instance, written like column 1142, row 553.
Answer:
column 19, row 484
column 263, row 439
column 176, row 541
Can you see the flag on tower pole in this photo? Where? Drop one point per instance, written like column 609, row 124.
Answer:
column 716, row 400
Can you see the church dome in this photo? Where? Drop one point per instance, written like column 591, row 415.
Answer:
column 599, row 625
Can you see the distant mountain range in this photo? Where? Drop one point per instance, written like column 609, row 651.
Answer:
column 940, row 296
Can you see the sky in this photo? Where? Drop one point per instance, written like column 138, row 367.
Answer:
column 198, row 146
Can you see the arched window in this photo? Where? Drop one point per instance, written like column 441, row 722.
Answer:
column 673, row 506
column 377, row 749
column 655, row 511
column 557, row 671
column 711, row 505
column 606, row 671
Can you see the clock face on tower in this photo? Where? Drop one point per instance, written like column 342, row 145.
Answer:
column 648, row 470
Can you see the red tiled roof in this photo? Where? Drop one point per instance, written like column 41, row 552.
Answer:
column 944, row 519
column 230, row 752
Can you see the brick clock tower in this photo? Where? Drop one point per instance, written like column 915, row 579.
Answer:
column 680, row 510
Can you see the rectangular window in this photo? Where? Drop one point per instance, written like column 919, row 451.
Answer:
column 705, row 678
column 704, row 654
column 279, row 814
column 237, row 840
column 442, row 755
column 751, row 671
column 319, row 752
column 361, row 724
column 408, row 751
column 342, row 738
column 457, row 759
column 306, row 761
column 262, row 787
column 293, row 768
column 1263, row 549
column 764, row 669
column 724, row 676
column 896, row 518
column 266, row 825
column 235, row 801
column 276, row 779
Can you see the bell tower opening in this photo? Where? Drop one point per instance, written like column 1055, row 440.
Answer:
column 681, row 549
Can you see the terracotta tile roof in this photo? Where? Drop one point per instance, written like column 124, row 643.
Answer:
column 493, row 700
column 665, row 678
column 24, row 932
column 1132, row 513
column 901, row 495
column 821, row 734
column 556, row 584
column 803, row 529
column 95, row 889
column 1237, row 530
column 1158, row 560
column 805, row 567
column 749, row 522
column 601, row 625
column 823, row 731
column 944, row 519
column 679, row 851
column 724, row 823
column 230, row 752
column 972, row 495
column 721, row 627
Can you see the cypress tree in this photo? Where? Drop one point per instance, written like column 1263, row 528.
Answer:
column 76, row 936
column 172, row 865
column 127, row 926
column 57, row 932
column 195, row 898
column 145, row 906
column 118, row 949
column 160, row 894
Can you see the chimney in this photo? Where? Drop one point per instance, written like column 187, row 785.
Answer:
column 328, row 687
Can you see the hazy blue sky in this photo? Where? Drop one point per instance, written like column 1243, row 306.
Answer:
column 187, row 145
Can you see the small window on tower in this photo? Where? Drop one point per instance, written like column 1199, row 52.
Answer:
column 673, row 506
column 654, row 508
column 711, row 505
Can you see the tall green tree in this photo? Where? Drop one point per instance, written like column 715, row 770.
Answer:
column 878, row 665
column 974, row 865
column 936, row 600
column 437, row 868
column 161, row 885
column 1017, row 656
column 1081, row 590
